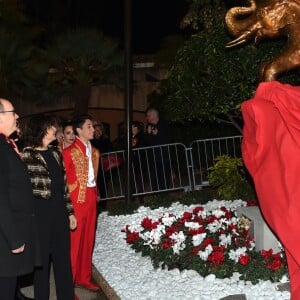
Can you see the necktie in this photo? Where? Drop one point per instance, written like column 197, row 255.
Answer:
column 14, row 145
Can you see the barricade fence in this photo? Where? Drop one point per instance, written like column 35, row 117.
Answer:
column 163, row 168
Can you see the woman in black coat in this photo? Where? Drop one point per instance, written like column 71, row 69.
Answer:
column 53, row 207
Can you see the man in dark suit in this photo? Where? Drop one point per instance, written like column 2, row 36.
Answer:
column 157, row 135
column 18, row 247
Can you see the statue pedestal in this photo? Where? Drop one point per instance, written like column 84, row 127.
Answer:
column 264, row 238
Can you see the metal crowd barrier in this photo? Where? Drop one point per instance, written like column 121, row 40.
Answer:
column 167, row 167
column 154, row 169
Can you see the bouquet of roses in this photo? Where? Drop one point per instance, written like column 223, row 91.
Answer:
column 207, row 240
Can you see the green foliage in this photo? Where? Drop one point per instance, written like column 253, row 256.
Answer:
column 208, row 81
column 228, row 176
column 18, row 53
column 165, row 56
column 83, row 57
column 239, row 255
column 121, row 208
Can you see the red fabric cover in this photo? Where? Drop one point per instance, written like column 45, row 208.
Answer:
column 111, row 161
column 271, row 152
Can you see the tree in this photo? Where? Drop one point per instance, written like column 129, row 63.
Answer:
column 81, row 59
column 166, row 54
column 208, row 81
column 18, row 53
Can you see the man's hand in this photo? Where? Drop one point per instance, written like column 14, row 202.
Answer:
column 18, row 250
column 73, row 222
column 154, row 131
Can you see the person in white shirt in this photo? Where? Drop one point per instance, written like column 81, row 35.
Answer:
column 81, row 161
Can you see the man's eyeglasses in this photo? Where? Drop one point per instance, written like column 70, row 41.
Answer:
column 5, row 111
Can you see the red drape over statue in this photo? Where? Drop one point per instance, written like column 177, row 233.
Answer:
column 271, row 152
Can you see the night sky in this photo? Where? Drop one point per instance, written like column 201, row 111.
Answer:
column 151, row 19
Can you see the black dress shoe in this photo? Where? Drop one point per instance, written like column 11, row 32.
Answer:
column 20, row 296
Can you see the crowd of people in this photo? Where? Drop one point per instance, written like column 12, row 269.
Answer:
column 50, row 186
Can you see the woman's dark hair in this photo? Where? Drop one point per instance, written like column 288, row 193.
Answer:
column 36, row 129
column 65, row 123
column 79, row 120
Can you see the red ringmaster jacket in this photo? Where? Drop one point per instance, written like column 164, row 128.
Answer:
column 271, row 152
column 77, row 167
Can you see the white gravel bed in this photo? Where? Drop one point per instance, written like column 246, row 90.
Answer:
column 134, row 278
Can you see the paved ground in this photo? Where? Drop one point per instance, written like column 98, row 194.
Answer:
column 82, row 294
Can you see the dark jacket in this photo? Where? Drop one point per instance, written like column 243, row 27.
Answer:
column 163, row 136
column 39, row 174
column 17, row 221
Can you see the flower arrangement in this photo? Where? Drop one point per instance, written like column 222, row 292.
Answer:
column 208, row 239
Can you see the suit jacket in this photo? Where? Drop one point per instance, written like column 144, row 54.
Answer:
column 17, row 221
column 162, row 137
column 39, row 174
column 77, row 167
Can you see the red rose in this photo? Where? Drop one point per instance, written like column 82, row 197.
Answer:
column 208, row 241
column 211, row 219
column 197, row 209
column 244, row 259
column 196, row 250
column 196, row 231
column 219, row 248
column 166, row 244
column 266, row 254
column 132, row 237
column 276, row 264
column 248, row 241
column 170, row 230
column 199, row 220
column 228, row 213
column 216, row 258
column 232, row 227
column 148, row 224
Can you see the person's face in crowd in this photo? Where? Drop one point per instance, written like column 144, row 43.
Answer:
column 135, row 130
column 86, row 133
column 68, row 135
column 8, row 118
column 50, row 136
column 98, row 132
column 151, row 117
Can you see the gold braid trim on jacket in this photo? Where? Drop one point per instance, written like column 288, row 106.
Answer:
column 72, row 187
column 81, row 163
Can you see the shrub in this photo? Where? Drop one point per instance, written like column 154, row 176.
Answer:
column 230, row 178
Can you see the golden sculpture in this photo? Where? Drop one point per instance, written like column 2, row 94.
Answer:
column 267, row 20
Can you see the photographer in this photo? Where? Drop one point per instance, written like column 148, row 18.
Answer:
column 158, row 133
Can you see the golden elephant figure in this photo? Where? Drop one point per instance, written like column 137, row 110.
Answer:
column 267, row 20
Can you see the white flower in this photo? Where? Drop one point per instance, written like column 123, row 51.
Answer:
column 198, row 239
column 136, row 227
column 218, row 213
column 153, row 237
column 214, row 226
column 192, row 225
column 202, row 214
column 235, row 254
column 179, row 239
column 251, row 245
column 167, row 220
column 225, row 240
column 205, row 254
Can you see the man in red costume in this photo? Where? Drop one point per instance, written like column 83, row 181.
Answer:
column 81, row 163
column 271, row 152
